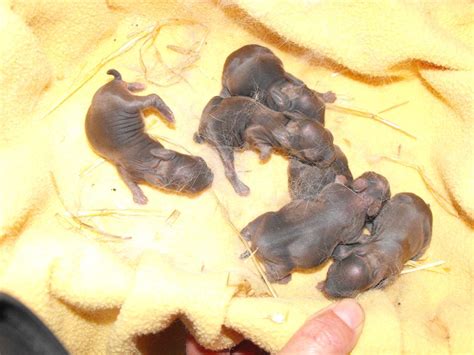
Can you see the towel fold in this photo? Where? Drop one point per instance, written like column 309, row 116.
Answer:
column 179, row 256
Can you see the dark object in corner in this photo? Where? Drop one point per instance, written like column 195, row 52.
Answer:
column 21, row 332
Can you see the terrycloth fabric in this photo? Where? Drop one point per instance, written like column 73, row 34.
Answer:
column 103, row 295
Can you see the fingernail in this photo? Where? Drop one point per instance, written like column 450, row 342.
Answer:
column 350, row 312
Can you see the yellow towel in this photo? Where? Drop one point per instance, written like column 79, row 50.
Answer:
column 101, row 294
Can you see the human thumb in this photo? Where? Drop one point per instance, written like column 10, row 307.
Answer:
column 333, row 330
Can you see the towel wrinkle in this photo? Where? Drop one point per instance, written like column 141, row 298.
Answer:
column 104, row 296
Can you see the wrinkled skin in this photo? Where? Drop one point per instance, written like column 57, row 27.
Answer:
column 304, row 233
column 238, row 122
column 401, row 232
column 256, row 72
column 305, row 181
column 115, row 130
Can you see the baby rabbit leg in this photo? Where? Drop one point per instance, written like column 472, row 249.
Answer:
column 278, row 273
column 225, row 92
column 342, row 251
column 257, row 136
column 249, row 230
column 227, row 157
column 136, row 86
column 138, row 195
column 328, row 96
column 153, row 100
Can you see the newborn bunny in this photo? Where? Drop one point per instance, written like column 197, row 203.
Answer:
column 115, row 130
column 255, row 71
column 305, row 181
column 238, row 121
column 401, row 232
column 304, row 233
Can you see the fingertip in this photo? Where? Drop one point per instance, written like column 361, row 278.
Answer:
column 350, row 312
column 333, row 330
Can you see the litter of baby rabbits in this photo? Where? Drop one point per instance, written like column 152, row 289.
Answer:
column 263, row 107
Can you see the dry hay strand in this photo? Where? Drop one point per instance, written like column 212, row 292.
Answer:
column 244, row 242
column 117, row 213
column 173, row 217
column 442, row 201
column 87, row 170
column 149, row 34
column 191, row 54
column 167, row 140
column 127, row 46
column 242, row 286
column 374, row 116
column 79, row 224
column 413, row 266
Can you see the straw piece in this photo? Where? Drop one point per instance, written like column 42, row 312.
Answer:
column 373, row 116
column 123, row 49
column 392, row 107
column 254, row 259
column 70, row 223
column 90, row 168
column 192, row 53
column 149, row 34
column 412, row 266
column 77, row 219
column 442, row 201
column 118, row 213
column 167, row 140
column 178, row 49
column 173, row 217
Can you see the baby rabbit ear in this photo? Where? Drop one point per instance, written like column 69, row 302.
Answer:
column 341, row 179
column 280, row 99
column 360, row 184
column 374, row 208
column 294, row 116
column 163, row 153
column 294, row 79
column 327, row 97
column 342, row 251
column 282, row 136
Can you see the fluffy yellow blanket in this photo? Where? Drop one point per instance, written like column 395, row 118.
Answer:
column 411, row 62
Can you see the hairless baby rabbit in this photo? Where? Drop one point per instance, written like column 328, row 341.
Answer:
column 401, row 232
column 304, row 233
column 238, row 121
column 305, row 181
column 255, row 71
column 115, row 130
